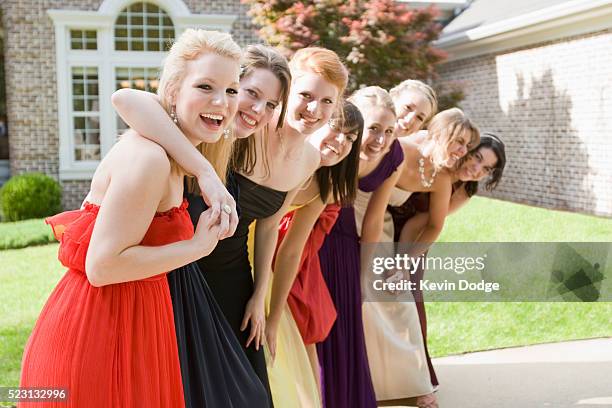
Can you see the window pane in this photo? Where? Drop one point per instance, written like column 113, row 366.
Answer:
column 79, row 125
column 169, row 34
column 153, row 45
column 77, row 88
column 93, row 127
column 121, row 31
column 121, row 45
column 136, row 33
column 93, row 105
column 92, row 89
column 78, row 104
column 152, row 20
column 137, row 78
column 137, row 28
column 151, row 8
column 83, row 39
column 122, row 19
column 136, row 20
column 79, row 137
column 85, row 111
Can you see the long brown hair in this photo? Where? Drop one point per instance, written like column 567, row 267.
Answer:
column 259, row 56
column 341, row 179
column 491, row 141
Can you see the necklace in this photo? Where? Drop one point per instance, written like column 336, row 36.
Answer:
column 426, row 183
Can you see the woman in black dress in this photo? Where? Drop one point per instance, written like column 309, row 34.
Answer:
column 215, row 369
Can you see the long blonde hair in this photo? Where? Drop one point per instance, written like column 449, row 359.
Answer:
column 446, row 127
column 188, row 47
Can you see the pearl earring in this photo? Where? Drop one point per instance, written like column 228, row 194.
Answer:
column 226, row 133
column 173, row 115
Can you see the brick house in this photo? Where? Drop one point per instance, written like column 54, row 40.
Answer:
column 64, row 58
column 538, row 73
column 535, row 71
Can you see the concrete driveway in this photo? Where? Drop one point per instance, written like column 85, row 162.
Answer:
column 557, row 375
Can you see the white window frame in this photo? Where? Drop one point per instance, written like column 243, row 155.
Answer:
column 106, row 59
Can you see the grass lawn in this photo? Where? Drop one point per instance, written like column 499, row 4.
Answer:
column 26, row 233
column 28, row 275
column 459, row 327
column 488, row 220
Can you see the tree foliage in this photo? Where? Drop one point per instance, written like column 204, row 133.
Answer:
column 382, row 42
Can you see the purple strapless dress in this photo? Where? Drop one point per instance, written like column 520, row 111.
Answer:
column 343, row 358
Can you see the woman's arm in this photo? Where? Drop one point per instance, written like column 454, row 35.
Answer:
column 373, row 219
column 413, row 228
column 266, row 236
column 458, row 200
column 129, row 204
column 287, row 263
column 142, row 112
column 438, row 208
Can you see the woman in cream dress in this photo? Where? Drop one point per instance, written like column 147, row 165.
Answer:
column 396, row 352
column 395, row 345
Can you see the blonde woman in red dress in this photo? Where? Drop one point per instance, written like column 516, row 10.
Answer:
column 106, row 333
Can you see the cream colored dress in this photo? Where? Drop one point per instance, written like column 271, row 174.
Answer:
column 394, row 342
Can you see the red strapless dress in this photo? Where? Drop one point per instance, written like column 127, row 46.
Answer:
column 111, row 346
column 309, row 300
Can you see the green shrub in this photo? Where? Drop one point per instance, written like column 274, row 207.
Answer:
column 30, row 195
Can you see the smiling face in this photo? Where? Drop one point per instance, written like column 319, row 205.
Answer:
column 334, row 142
column 311, row 103
column 412, row 109
column 456, row 149
column 377, row 132
column 259, row 95
column 478, row 165
column 207, row 98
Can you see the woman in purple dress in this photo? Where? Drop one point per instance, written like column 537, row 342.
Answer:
column 344, row 363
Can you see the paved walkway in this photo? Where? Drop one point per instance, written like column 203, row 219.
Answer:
column 557, row 375
column 574, row 374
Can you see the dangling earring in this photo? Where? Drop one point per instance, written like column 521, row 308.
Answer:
column 226, row 133
column 173, row 115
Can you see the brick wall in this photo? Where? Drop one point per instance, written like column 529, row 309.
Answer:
column 29, row 51
column 552, row 105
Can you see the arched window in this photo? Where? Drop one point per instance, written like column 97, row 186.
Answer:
column 143, row 27
column 121, row 45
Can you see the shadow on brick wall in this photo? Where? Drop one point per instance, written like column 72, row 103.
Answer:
column 548, row 164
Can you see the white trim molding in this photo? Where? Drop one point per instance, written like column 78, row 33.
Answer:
column 106, row 60
column 174, row 8
column 567, row 19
